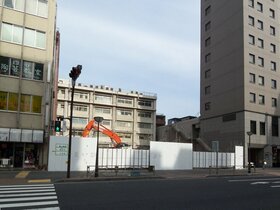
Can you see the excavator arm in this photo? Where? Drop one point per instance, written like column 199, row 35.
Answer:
column 94, row 125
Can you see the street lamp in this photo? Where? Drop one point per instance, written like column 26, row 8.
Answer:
column 249, row 133
column 74, row 74
column 98, row 120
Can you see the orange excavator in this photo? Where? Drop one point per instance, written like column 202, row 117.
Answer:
column 94, row 125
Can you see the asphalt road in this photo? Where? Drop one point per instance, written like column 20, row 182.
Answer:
column 209, row 193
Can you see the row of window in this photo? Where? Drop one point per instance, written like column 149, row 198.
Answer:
column 20, row 35
column 262, row 125
column 28, row 103
column 261, row 80
column 102, row 110
column 259, row 7
column 34, row 7
column 260, row 25
column 260, row 43
column 261, row 99
column 12, row 67
column 253, row 59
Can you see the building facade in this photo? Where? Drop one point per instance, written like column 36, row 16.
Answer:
column 240, row 65
column 27, row 72
column 130, row 114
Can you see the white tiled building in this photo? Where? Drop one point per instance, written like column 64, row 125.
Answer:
column 131, row 114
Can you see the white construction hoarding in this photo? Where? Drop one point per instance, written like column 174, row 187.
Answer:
column 171, row 156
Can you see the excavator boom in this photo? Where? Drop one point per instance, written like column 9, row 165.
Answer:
column 94, row 125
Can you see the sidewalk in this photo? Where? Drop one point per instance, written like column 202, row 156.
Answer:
column 38, row 177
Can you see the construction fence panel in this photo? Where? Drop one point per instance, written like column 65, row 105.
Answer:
column 123, row 158
column 213, row 159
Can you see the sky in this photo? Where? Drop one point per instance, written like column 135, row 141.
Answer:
column 150, row 46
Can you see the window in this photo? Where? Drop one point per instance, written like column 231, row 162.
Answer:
column 106, row 122
column 3, row 100
column 80, row 108
column 207, row 10
column 272, row 31
column 207, row 73
column 123, row 124
column 34, row 38
column 273, row 102
column 11, row 33
column 208, row 42
column 252, row 78
column 14, row 4
column 271, row 13
column 251, row 3
column 4, row 65
column 38, row 71
column 145, row 137
column 261, row 80
column 273, row 48
column 252, row 58
column 78, row 120
column 127, row 101
column 261, row 99
column 102, row 110
column 253, row 126
column 207, row 26
column 251, row 39
column 145, row 125
column 207, row 106
column 15, row 67
column 260, row 43
column 252, row 97
column 207, row 90
column 274, row 126
column 36, row 104
column 251, row 21
column 25, row 103
column 208, row 58
column 37, row 7
column 262, row 128
column 124, row 112
column 273, row 84
column 145, row 103
column 27, row 70
column 273, row 65
column 145, row 114
column 259, row 7
column 260, row 61
column 13, row 102
column 260, row 25
column 103, row 99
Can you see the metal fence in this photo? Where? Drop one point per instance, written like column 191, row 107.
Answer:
column 213, row 159
column 123, row 158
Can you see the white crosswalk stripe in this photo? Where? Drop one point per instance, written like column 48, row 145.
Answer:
column 33, row 196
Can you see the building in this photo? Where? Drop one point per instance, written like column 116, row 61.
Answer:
column 240, row 65
column 130, row 114
column 28, row 65
column 160, row 120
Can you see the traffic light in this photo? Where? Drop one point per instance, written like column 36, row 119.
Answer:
column 57, row 126
column 75, row 72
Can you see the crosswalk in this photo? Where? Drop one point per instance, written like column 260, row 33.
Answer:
column 32, row 196
column 273, row 182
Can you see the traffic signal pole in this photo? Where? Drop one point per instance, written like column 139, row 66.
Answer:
column 74, row 74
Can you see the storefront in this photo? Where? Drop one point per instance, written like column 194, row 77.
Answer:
column 19, row 148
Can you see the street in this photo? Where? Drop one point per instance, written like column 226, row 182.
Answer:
column 210, row 193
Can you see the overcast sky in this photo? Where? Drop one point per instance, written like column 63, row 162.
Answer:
column 140, row 45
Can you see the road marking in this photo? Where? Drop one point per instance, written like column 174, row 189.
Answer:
column 22, row 174
column 40, row 203
column 277, row 182
column 26, row 194
column 39, row 180
column 253, row 180
column 40, row 196
column 275, row 186
column 254, row 183
column 27, row 199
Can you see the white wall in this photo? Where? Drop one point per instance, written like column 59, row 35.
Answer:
column 171, row 156
column 83, row 153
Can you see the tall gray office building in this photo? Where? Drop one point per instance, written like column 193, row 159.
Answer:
column 240, row 77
